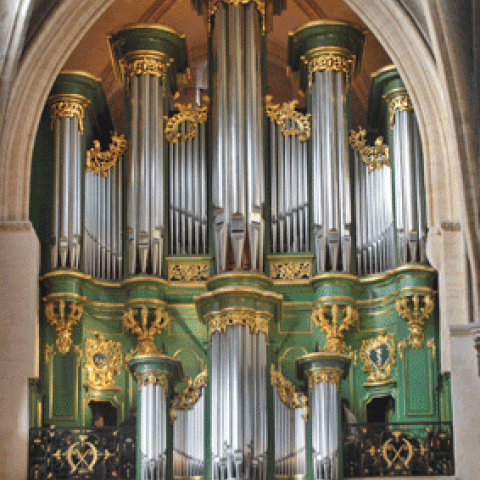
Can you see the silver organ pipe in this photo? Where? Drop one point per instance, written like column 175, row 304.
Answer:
column 238, row 181
column 67, row 113
column 289, row 132
column 186, row 134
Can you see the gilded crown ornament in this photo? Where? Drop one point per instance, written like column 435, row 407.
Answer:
column 334, row 321
column 282, row 113
column 287, row 393
column 103, row 360
column 56, row 313
column 190, row 394
column 144, row 332
column 188, row 114
column 416, row 317
column 376, row 156
column 101, row 162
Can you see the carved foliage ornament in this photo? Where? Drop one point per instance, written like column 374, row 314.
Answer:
column 324, row 375
column 189, row 272
column 101, row 162
column 400, row 102
column 330, row 62
column 378, row 357
column 191, row 116
column 257, row 321
column 157, row 378
column 341, row 319
column 282, row 113
column 144, row 332
column 103, row 360
column 190, row 394
column 156, row 66
column 68, row 106
column 287, row 393
column 291, row 270
column 376, row 156
column 415, row 317
column 56, row 313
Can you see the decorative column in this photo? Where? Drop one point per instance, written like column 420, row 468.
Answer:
column 407, row 166
column 324, row 371
column 327, row 56
column 147, row 58
column 68, row 117
column 155, row 374
column 239, row 319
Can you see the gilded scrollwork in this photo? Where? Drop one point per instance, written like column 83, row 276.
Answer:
column 324, row 375
column 103, row 360
column 281, row 113
column 148, row 63
column 287, row 393
column 101, row 162
column 190, row 115
column 158, row 378
column 56, row 313
column 144, row 332
column 291, row 270
column 330, row 61
column 68, row 106
column 399, row 100
column 376, row 156
column 416, row 317
column 189, row 272
column 378, row 358
column 334, row 321
column 190, row 394
column 256, row 320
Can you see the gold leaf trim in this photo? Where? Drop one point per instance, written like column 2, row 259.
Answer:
column 324, row 375
column 153, row 377
column 376, row 156
column 68, row 106
column 190, row 394
column 287, row 393
column 189, row 272
column 291, row 270
column 256, row 320
column 281, row 113
column 101, row 162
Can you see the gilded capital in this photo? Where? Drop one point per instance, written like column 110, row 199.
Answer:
column 68, row 105
column 256, row 320
column 397, row 99
column 324, row 375
column 144, row 63
column 158, row 378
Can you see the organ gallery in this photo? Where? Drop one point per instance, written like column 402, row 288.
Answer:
column 228, row 269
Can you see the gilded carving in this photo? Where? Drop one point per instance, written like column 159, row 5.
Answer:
column 190, row 394
column 158, row 378
column 291, row 270
column 400, row 100
column 281, row 113
column 330, row 61
column 376, row 156
column 287, row 393
column 55, row 311
column 187, row 113
column 144, row 332
column 256, row 320
column 416, row 317
column 150, row 63
column 378, row 358
column 103, row 360
column 189, row 272
column 101, row 162
column 68, row 106
column 336, row 326
column 324, row 375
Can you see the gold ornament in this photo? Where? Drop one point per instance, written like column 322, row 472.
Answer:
column 375, row 157
column 144, row 332
column 186, row 113
column 287, row 393
column 281, row 113
column 417, row 317
column 56, row 316
column 189, row 272
column 324, row 375
column 334, row 327
column 144, row 63
column 378, row 357
column 157, row 378
column 291, row 270
column 190, row 394
column 103, row 360
column 256, row 320
column 398, row 100
column 101, row 162
column 68, row 106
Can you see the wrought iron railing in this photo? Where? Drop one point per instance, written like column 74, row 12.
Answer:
column 400, row 449
column 82, row 453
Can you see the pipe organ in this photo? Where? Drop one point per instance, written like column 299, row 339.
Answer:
column 227, row 188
